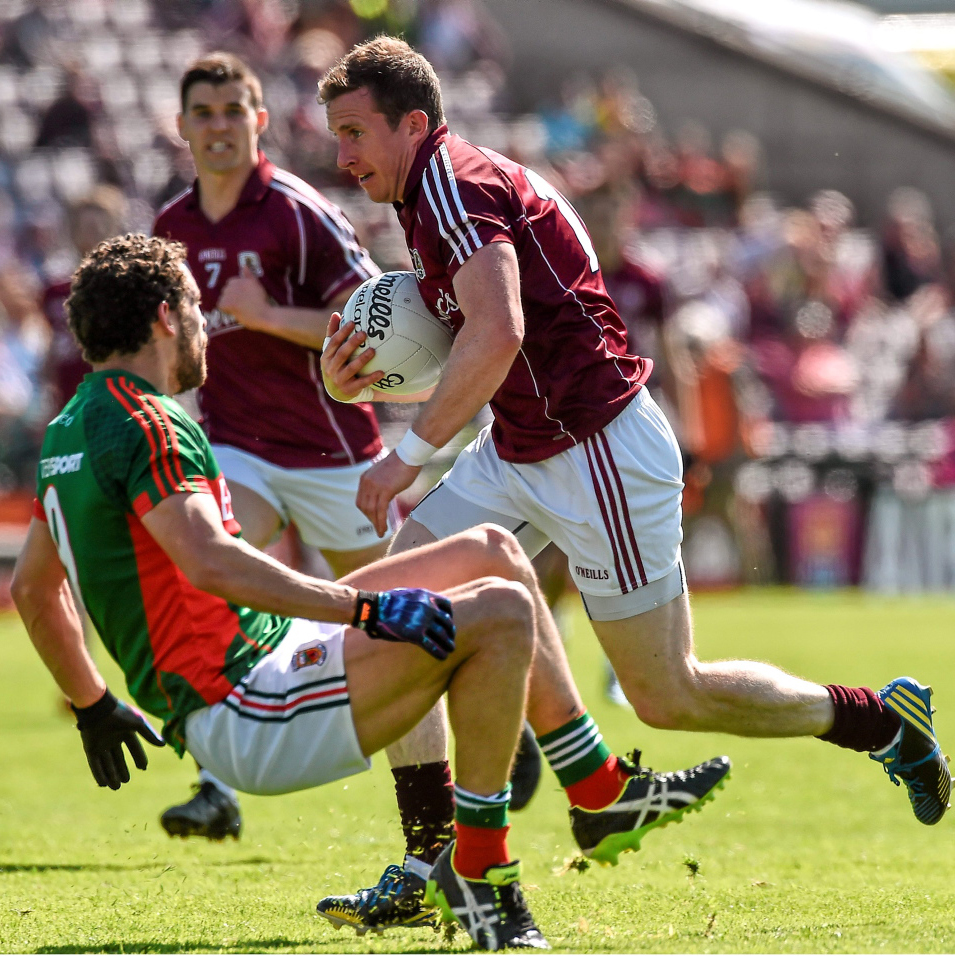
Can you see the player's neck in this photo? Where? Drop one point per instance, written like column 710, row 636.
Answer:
column 148, row 363
column 219, row 192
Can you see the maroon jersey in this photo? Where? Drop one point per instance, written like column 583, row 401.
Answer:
column 265, row 394
column 573, row 374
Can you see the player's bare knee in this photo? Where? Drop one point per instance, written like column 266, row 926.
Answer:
column 505, row 553
column 664, row 705
column 662, row 714
column 509, row 620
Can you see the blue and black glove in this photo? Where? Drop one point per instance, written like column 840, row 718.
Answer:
column 413, row 615
column 104, row 727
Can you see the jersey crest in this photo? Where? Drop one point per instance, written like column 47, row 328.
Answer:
column 313, row 656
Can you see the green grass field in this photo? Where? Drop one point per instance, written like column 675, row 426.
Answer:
column 809, row 848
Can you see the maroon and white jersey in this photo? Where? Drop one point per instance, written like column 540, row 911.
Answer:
column 572, row 375
column 265, row 394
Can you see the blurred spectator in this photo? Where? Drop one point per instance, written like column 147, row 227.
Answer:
column 569, row 119
column 92, row 219
column 256, row 30
column 29, row 39
column 455, row 34
column 635, row 283
column 928, row 390
column 812, row 377
column 24, row 337
column 704, row 191
column 910, row 248
column 68, row 121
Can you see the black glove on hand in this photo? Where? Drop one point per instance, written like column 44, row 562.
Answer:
column 413, row 615
column 104, row 727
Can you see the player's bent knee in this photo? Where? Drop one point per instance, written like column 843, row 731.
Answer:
column 662, row 707
column 662, row 716
column 504, row 551
column 507, row 618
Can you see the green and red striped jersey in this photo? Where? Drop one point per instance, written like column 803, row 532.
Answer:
column 116, row 451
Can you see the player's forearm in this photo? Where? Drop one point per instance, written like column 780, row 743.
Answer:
column 475, row 370
column 243, row 575
column 306, row 327
column 56, row 632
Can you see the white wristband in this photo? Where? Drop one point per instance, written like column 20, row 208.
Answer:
column 413, row 450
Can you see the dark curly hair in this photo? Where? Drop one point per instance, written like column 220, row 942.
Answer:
column 117, row 289
column 399, row 79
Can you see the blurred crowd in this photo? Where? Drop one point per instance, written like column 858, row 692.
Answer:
column 807, row 360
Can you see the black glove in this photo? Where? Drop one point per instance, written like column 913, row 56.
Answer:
column 104, row 727
column 413, row 615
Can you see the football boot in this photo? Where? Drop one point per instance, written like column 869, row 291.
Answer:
column 648, row 800
column 492, row 909
column 914, row 757
column 210, row 813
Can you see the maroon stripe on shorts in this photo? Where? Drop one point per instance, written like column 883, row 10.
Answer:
column 617, row 506
column 623, row 503
column 627, row 583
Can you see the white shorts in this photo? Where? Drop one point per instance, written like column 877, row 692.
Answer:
column 612, row 504
column 287, row 725
column 321, row 501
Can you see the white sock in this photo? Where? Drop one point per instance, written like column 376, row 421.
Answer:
column 206, row 777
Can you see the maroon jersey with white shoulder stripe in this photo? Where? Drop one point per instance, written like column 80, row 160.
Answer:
column 573, row 374
column 264, row 394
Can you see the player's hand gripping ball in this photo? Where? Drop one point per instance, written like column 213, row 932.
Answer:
column 104, row 728
column 411, row 345
column 412, row 615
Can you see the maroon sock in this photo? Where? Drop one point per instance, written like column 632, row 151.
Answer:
column 426, row 803
column 862, row 721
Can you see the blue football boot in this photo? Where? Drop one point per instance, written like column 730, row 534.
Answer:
column 915, row 758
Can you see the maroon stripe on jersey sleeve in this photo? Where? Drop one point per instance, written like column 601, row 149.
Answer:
column 190, row 631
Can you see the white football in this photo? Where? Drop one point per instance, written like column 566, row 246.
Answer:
column 411, row 345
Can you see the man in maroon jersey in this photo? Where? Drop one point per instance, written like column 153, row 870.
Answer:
column 578, row 452
column 262, row 243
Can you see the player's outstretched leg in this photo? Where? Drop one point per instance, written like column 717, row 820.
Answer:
column 613, row 801
column 491, row 909
column 914, row 757
column 213, row 812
